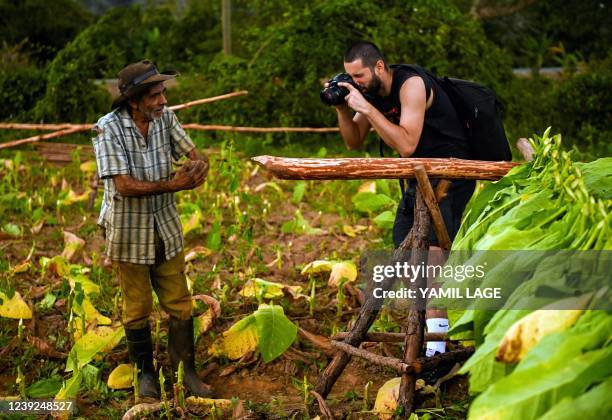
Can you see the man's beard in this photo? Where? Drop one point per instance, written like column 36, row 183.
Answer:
column 150, row 115
column 374, row 87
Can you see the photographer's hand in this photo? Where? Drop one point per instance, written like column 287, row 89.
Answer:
column 355, row 100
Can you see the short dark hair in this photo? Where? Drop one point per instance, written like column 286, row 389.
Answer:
column 366, row 51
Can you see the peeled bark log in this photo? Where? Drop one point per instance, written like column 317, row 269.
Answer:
column 382, row 168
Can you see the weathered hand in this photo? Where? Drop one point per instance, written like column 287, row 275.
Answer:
column 191, row 175
column 355, row 99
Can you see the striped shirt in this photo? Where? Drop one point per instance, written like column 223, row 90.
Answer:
column 131, row 222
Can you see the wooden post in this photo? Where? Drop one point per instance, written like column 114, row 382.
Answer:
column 432, row 204
column 414, row 327
column 370, row 309
column 226, row 23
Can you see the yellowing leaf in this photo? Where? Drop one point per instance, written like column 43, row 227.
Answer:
column 268, row 289
column 72, row 244
column 22, row 268
column 121, row 377
column 73, row 197
column 205, row 321
column 525, row 333
column 88, row 167
column 100, row 340
column 317, row 266
column 14, row 307
column 369, row 186
column 353, row 231
column 196, row 252
column 346, row 270
column 240, row 339
column 87, row 285
column 90, row 313
column 386, row 399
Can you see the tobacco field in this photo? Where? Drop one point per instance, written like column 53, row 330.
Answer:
column 272, row 266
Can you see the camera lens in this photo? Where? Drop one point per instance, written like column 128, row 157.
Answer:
column 333, row 95
column 330, row 97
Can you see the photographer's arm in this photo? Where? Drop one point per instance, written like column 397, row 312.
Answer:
column 353, row 129
column 404, row 137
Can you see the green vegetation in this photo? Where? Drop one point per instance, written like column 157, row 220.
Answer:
column 548, row 204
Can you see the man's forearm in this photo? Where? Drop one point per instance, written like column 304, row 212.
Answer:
column 393, row 135
column 131, row 187
column 349, row 130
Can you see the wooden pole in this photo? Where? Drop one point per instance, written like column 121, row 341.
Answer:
column 390, row 362
column 432, row 204
column 442, row 189
column 389, row 337
column 53, row 135
column 208, row 100
column 414, row 326
column 260, row 129
column 382, row 168
column 226, row 23
column 28, row 126
column 371, row 308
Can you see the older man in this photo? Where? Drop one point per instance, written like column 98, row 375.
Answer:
column 134, row 148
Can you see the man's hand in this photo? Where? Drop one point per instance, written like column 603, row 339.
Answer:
column 191, row 175
column 355, row 100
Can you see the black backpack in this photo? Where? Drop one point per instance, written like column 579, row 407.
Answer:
column 480, row 112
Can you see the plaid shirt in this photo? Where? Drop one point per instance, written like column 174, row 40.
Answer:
column 130, row 222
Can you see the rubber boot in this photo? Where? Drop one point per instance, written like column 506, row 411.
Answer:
column 181, row 348
column 140, row 350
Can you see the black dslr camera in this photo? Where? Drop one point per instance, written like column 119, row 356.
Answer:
column 333, row 94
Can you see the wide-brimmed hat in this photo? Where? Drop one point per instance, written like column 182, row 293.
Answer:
column 136, row 77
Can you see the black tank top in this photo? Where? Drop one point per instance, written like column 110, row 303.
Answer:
column 442, row 135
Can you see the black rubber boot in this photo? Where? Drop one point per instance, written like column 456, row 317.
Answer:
column 181, row 348
column 140, row 349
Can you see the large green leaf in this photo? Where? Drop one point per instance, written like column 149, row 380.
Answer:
column 371, row 202
column 45, row 388
column 385, row 219
column 597, row 177
column 276, row 332
column 561, row 365
column 594, row 404
column 527, row 394
column 70, row 388
column 100, row 340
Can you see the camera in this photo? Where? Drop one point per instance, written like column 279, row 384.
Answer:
column 333, row 94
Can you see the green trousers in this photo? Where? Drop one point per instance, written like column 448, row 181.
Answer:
column 165, row 277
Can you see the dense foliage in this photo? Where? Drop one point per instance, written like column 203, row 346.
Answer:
column 283, row 51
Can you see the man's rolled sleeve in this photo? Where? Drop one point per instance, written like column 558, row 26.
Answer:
column 111, row 156
column 180, row 142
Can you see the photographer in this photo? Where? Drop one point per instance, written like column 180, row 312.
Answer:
column 413, row 116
